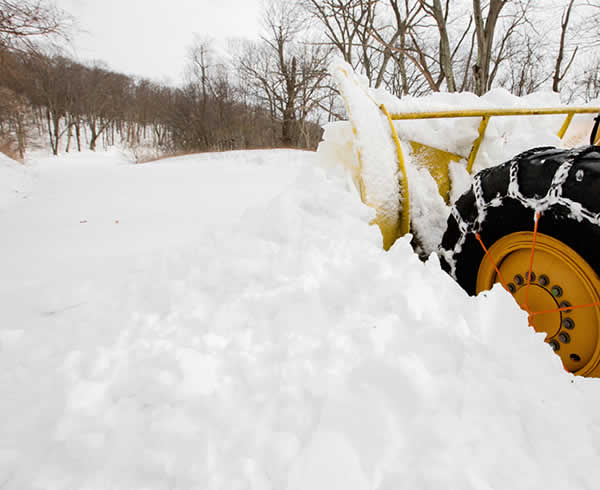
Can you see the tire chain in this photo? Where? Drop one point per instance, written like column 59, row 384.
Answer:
column 538, row 205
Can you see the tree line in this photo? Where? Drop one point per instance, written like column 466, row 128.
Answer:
column 44, row 93
column 275, row 91
column 73, row 105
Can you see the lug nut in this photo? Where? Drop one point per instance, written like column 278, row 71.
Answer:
column 565, row 304
column 512, row 288
column 564, row 337
column 568, row 323
column 519, row 279
column 532, row 276
column 575, row 357
column 554, row 344
column 556, row 291
column 543, row 280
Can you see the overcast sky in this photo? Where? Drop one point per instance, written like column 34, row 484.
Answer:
column 150, row 37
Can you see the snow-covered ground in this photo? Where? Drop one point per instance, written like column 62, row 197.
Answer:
column 231, row 322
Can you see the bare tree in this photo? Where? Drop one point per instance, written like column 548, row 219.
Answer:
column 49, row 88
column 485, row 28
column 393, row 39
column 286, row 75
column 104, row 93
column 421, row 41
column 14, row 123
column 558, row 74
column 491, row 54
column 591, row 25
column 22, row 22
column 369, row 34
column 200, row 61
column 525, row 68
column 589, row 81
column 345, row 24
column 440, row 15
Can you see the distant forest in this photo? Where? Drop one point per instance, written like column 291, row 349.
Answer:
column 275, row 91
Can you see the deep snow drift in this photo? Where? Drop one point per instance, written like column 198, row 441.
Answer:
column 231, row 322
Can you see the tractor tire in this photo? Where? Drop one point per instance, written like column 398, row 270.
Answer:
column 538, row 213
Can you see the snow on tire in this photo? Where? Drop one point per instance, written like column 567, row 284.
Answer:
column 537, row 217
column 562, row 185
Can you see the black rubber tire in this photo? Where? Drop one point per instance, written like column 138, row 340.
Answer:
column 563, row 185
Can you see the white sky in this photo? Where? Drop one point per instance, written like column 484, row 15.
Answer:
column 150, row 37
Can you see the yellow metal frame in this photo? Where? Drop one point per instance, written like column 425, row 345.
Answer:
column 486, row 114
column 404, row 224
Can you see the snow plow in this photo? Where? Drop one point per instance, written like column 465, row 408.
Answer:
column 458, row 172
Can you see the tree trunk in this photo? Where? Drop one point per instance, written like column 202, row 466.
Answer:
column 78, row 135
column 21, row 135
column 69, row 137
column 561, row 49
column 484, row 30
column 445, row 54
column 289, row 113
column 53, row 130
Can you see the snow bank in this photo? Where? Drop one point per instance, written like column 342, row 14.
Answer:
column 277, row 347
column 376, row 160
column 13, row 181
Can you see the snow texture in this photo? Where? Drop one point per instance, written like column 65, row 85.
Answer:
column 13, row 181
column 373, row 144
column 428, row 211
column 231, row 322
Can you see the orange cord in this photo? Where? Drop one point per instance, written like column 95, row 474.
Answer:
column 504, row 284
column 535, row 229
column 492, row 261
column 565, row 308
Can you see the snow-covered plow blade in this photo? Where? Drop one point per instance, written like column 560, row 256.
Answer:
column 531, row 224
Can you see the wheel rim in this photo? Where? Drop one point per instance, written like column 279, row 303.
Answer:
column 560, row 279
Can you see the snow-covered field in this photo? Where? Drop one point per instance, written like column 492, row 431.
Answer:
column 231, row 322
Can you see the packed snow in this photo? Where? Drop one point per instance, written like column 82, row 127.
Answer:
column 14, row 181
column 230, row 321
column 379, row 184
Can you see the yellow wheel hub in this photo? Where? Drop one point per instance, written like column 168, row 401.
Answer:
column 562, row 284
